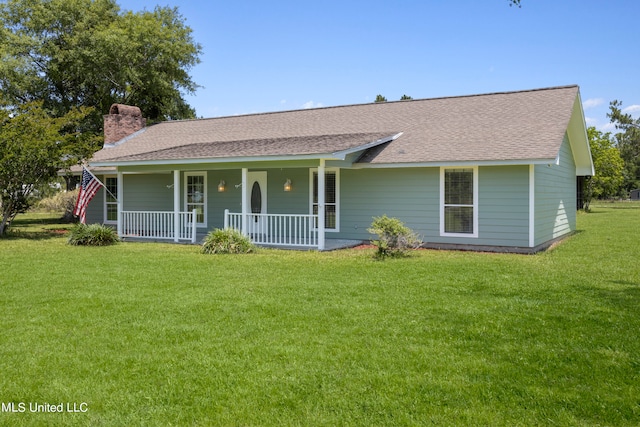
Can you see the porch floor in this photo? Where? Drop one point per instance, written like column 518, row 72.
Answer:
column 329, row 244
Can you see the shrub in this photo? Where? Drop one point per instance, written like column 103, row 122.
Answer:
column 394, row 238
column 227, row 241
column 63, row 201
column 92, row 235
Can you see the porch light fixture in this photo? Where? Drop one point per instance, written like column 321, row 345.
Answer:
column 287, row 185
column 221, row 186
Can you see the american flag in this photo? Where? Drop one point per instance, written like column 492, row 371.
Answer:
column 88, row 188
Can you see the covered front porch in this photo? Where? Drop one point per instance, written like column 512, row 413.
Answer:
column 199, row 196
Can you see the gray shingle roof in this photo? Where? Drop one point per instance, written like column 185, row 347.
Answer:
column 492, row 127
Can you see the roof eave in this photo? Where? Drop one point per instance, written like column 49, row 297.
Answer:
column 216, row 160
column 457, row 163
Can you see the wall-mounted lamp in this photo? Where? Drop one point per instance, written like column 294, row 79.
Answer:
column 221, row 186
column 287, row 185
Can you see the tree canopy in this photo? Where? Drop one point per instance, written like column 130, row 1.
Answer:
column 33, row 147
column 628, row 142
column 608, row 165
column 72, row 53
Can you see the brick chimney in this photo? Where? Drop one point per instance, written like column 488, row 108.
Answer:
column 122, row 121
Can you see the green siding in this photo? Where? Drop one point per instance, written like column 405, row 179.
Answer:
column 295, row 201
column 555, row 197
column 95, row 210
column 413, row 196
column 503, row 206
column 148, row 192
column 410, row 194
column 217, row 202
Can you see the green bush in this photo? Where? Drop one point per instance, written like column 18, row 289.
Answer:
column 227, row 241
column 63, row 201
column 394, row 238
column 92, row 235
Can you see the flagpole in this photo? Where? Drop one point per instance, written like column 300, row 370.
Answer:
column 101, row 183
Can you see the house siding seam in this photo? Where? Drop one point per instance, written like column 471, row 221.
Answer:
column 555, row 196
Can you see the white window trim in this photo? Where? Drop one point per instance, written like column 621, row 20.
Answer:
column 205, row 201
column 337, row 172
column 475, row 202
column 106, row 194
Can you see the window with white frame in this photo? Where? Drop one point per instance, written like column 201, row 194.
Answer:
column 110, row 202
column 459, row 202
column 195, row 193
column 331, row 198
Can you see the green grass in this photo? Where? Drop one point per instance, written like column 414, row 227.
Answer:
column 158, row 334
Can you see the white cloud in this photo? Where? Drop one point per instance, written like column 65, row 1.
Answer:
column 282, row 102
column 592, row 102
column 632, row 109
column 590, row 121
column 312, row 104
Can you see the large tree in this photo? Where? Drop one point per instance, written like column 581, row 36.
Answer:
column 71, row 53
column 628, row 142
column 33, row 147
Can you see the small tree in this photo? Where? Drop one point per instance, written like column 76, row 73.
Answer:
column 394, row 238
column 380, row 98
column 405, row 98
column 33, row 148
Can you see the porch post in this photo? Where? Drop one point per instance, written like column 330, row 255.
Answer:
column 176, row 205
column 120, row 201
column 245, row 192
column 321, row 201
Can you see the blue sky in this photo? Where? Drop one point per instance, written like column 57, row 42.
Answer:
column 261, row 56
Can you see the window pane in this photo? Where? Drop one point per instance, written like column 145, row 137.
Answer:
column 112, row 187
column 330, row 187
column 112, row 212
column 458, row 219
column 330, row 216
column 199, row 212
column 315, row 187
column 458, row 187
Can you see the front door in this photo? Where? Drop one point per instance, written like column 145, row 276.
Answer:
column 256, row 203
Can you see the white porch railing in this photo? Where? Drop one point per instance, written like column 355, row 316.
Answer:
column 159, row 225
column 276, row 229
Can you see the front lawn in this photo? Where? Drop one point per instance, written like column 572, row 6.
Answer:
column 159, row 334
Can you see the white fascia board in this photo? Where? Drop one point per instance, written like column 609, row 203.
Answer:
column 579, row 141
column 216, row 160
column 344, row 153
column 456, row 163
